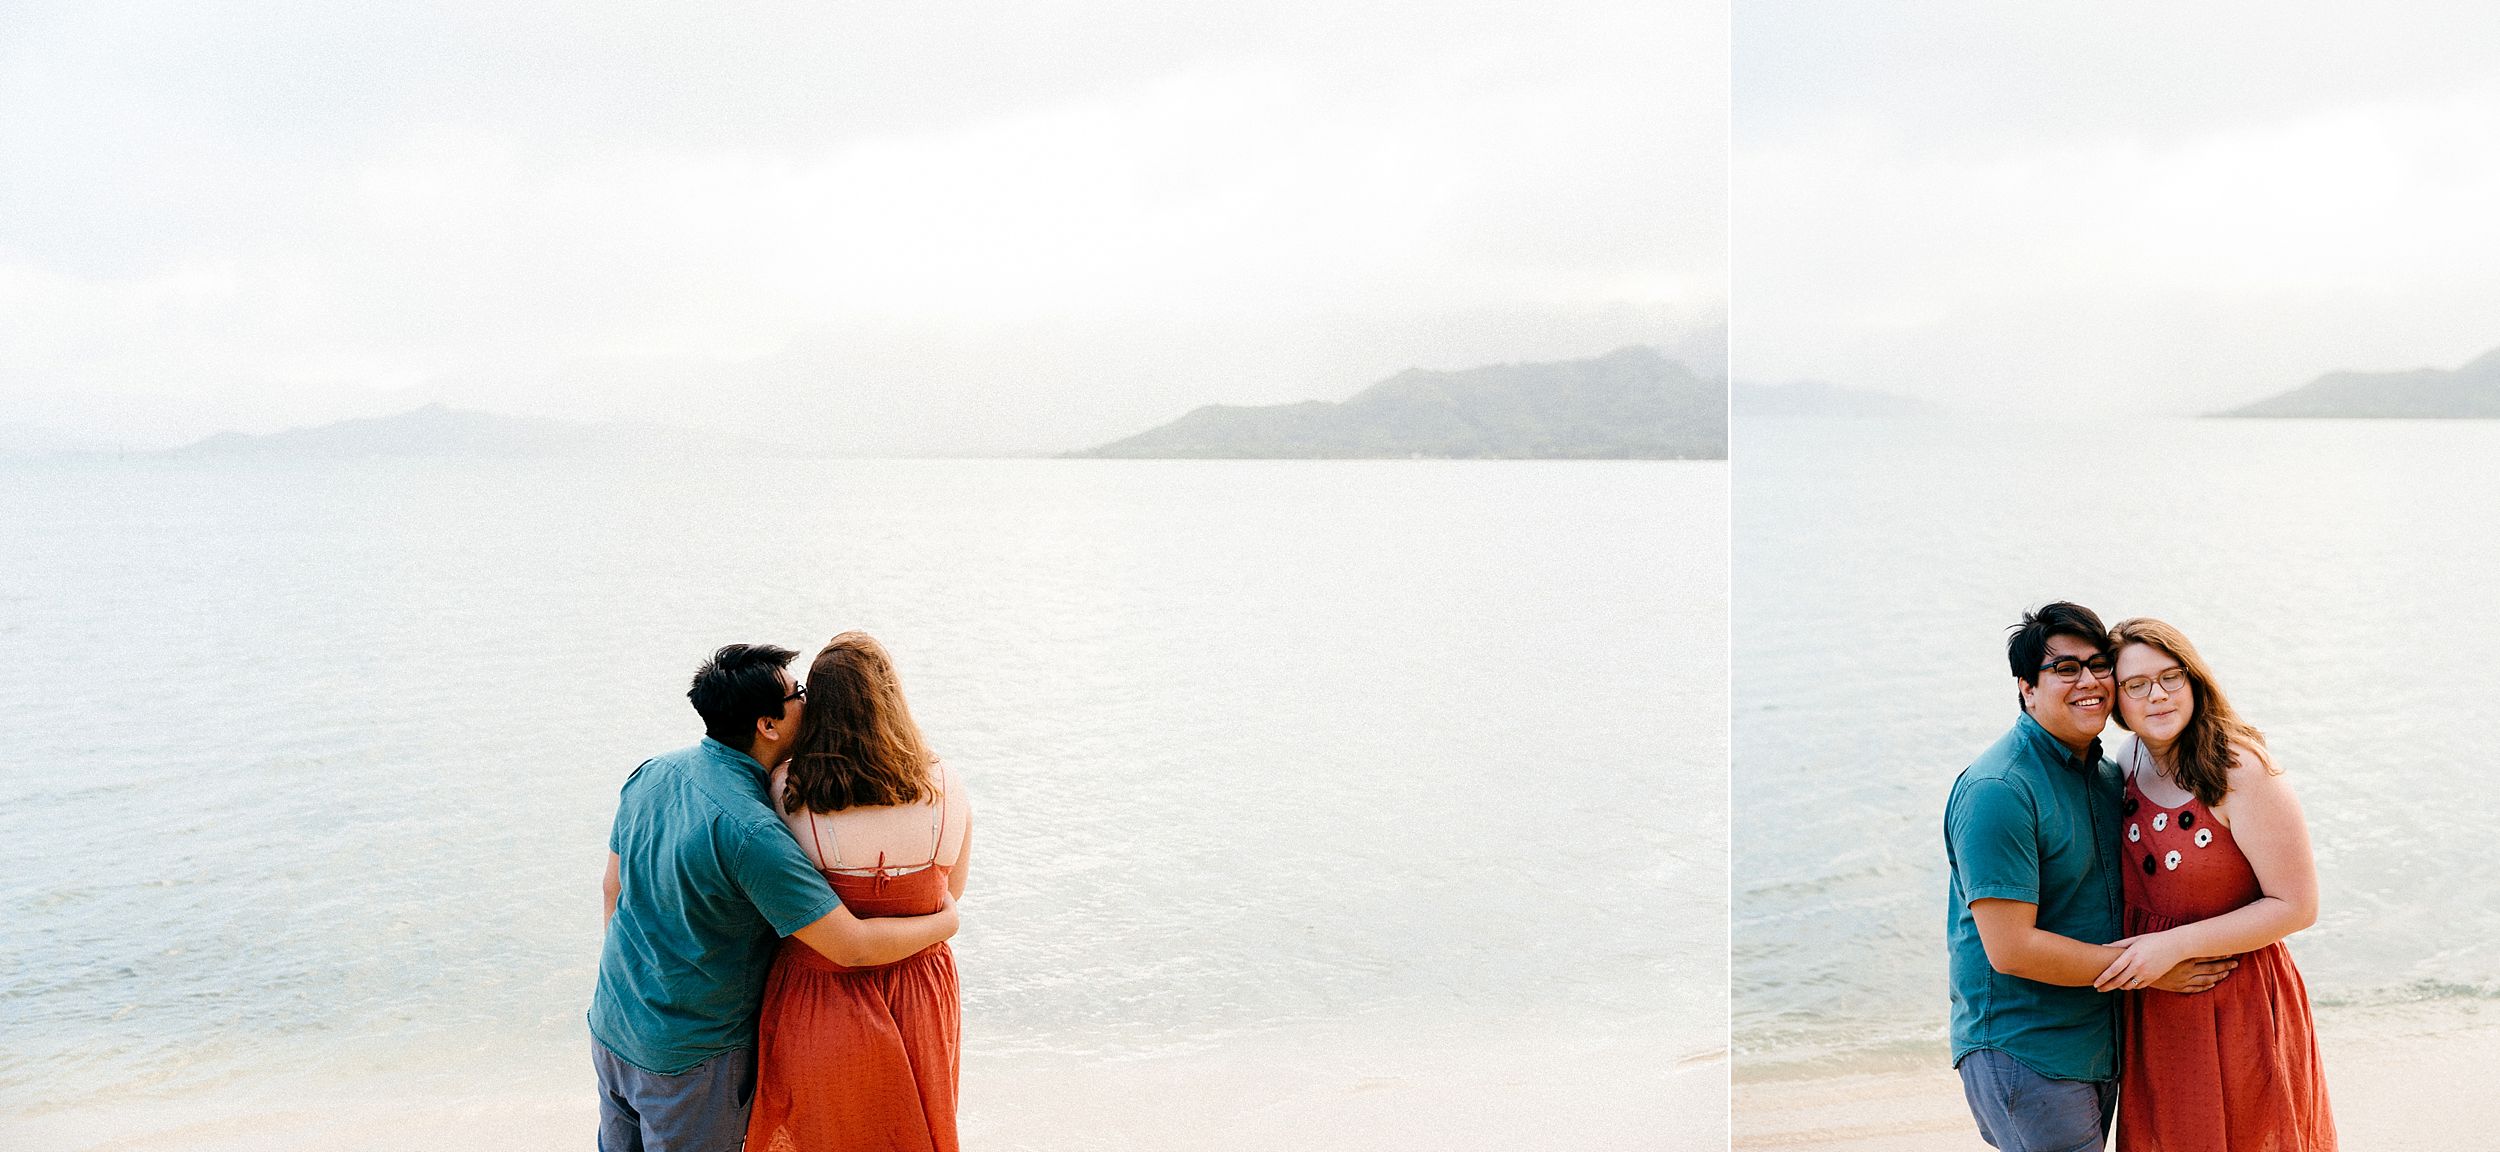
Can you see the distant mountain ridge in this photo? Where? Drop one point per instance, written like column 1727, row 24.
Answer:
column 438, row 431
column 1806, row 398
column 22, row 440
column 1632, row 403
column 2471, row 392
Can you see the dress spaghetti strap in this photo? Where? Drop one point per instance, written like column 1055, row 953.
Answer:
column 937, row 825
column 815, row 832
column 832, row 862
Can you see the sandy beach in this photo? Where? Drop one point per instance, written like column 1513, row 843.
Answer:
column 2402, row 1079
column 1336, row 1091
column 1278, row 1096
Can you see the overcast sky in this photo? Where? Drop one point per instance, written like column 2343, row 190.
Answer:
column 995, row 226
column 2113, row 206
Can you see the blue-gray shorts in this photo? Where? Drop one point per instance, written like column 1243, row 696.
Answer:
column 2020, row 1110
column 702, row 1109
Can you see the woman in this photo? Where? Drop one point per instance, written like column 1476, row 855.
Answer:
column 864, row 1058
column 2217, row 863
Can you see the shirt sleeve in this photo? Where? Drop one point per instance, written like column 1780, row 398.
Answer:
column 780, row 882
column 1994, row 837
column 616, row 824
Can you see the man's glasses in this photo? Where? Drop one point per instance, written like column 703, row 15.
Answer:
column 2170, row 679
column 2069, row 669
column 797, row 692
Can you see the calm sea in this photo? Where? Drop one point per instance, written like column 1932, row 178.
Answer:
column 2339, row 575
column 310, row 764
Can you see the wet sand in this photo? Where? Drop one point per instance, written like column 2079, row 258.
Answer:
column 1590, row 1096
column 2406, row 1079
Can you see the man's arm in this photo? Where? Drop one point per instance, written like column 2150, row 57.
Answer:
column 610, row 886
column 786, row 887
column 855, row 943
column 2017, row 946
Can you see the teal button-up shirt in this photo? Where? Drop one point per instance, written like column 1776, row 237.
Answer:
column 711, row 880
column 2031, row 821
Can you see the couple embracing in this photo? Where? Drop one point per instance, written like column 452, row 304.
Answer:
column 2116, row 922
column 775, row 974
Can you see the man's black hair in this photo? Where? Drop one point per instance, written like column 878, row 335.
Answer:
column 2028, row 647
column 738, row 686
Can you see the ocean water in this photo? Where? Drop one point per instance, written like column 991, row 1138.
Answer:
column 310, row 764
column 2339, row 576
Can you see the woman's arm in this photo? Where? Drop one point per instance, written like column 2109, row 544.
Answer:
column 2265, row 819
column 962, row 866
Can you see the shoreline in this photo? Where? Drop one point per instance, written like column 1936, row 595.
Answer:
column 2403, row 1078
column 1343, row 1087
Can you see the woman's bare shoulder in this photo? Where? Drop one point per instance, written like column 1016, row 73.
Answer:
column 2251, row 760
column 2256, row 781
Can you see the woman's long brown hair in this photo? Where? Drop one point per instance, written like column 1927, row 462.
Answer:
column 857, row 746
column 2200, row 761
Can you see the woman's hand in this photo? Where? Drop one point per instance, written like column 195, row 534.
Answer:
column 2144, row 959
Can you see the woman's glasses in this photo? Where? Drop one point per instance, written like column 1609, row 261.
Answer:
column 2170, row 679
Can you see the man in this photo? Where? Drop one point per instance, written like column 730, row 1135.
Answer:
column 2031, row 842
column 702, row 880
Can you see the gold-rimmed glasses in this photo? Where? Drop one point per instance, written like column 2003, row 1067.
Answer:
column 2170, row 679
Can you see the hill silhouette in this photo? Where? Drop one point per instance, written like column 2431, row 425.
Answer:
column 438, row 431
column 2471, row 392
column 1632, row 403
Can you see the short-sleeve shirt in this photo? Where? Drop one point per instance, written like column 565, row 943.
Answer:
column 2032, row 821
column 710, row 881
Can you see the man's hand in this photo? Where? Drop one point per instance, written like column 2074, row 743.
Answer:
column 2192, row 976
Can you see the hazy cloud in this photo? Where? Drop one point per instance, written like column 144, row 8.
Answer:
column 1019, row 226
column 2097, row 207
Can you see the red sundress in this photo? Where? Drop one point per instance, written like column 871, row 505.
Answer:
column 862, row 1059
column 2231, row 1069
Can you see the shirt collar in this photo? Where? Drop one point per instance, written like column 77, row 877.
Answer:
column 2054, row 749
column 724, row 752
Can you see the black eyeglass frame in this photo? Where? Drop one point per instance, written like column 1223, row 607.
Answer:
column 2101, row 667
